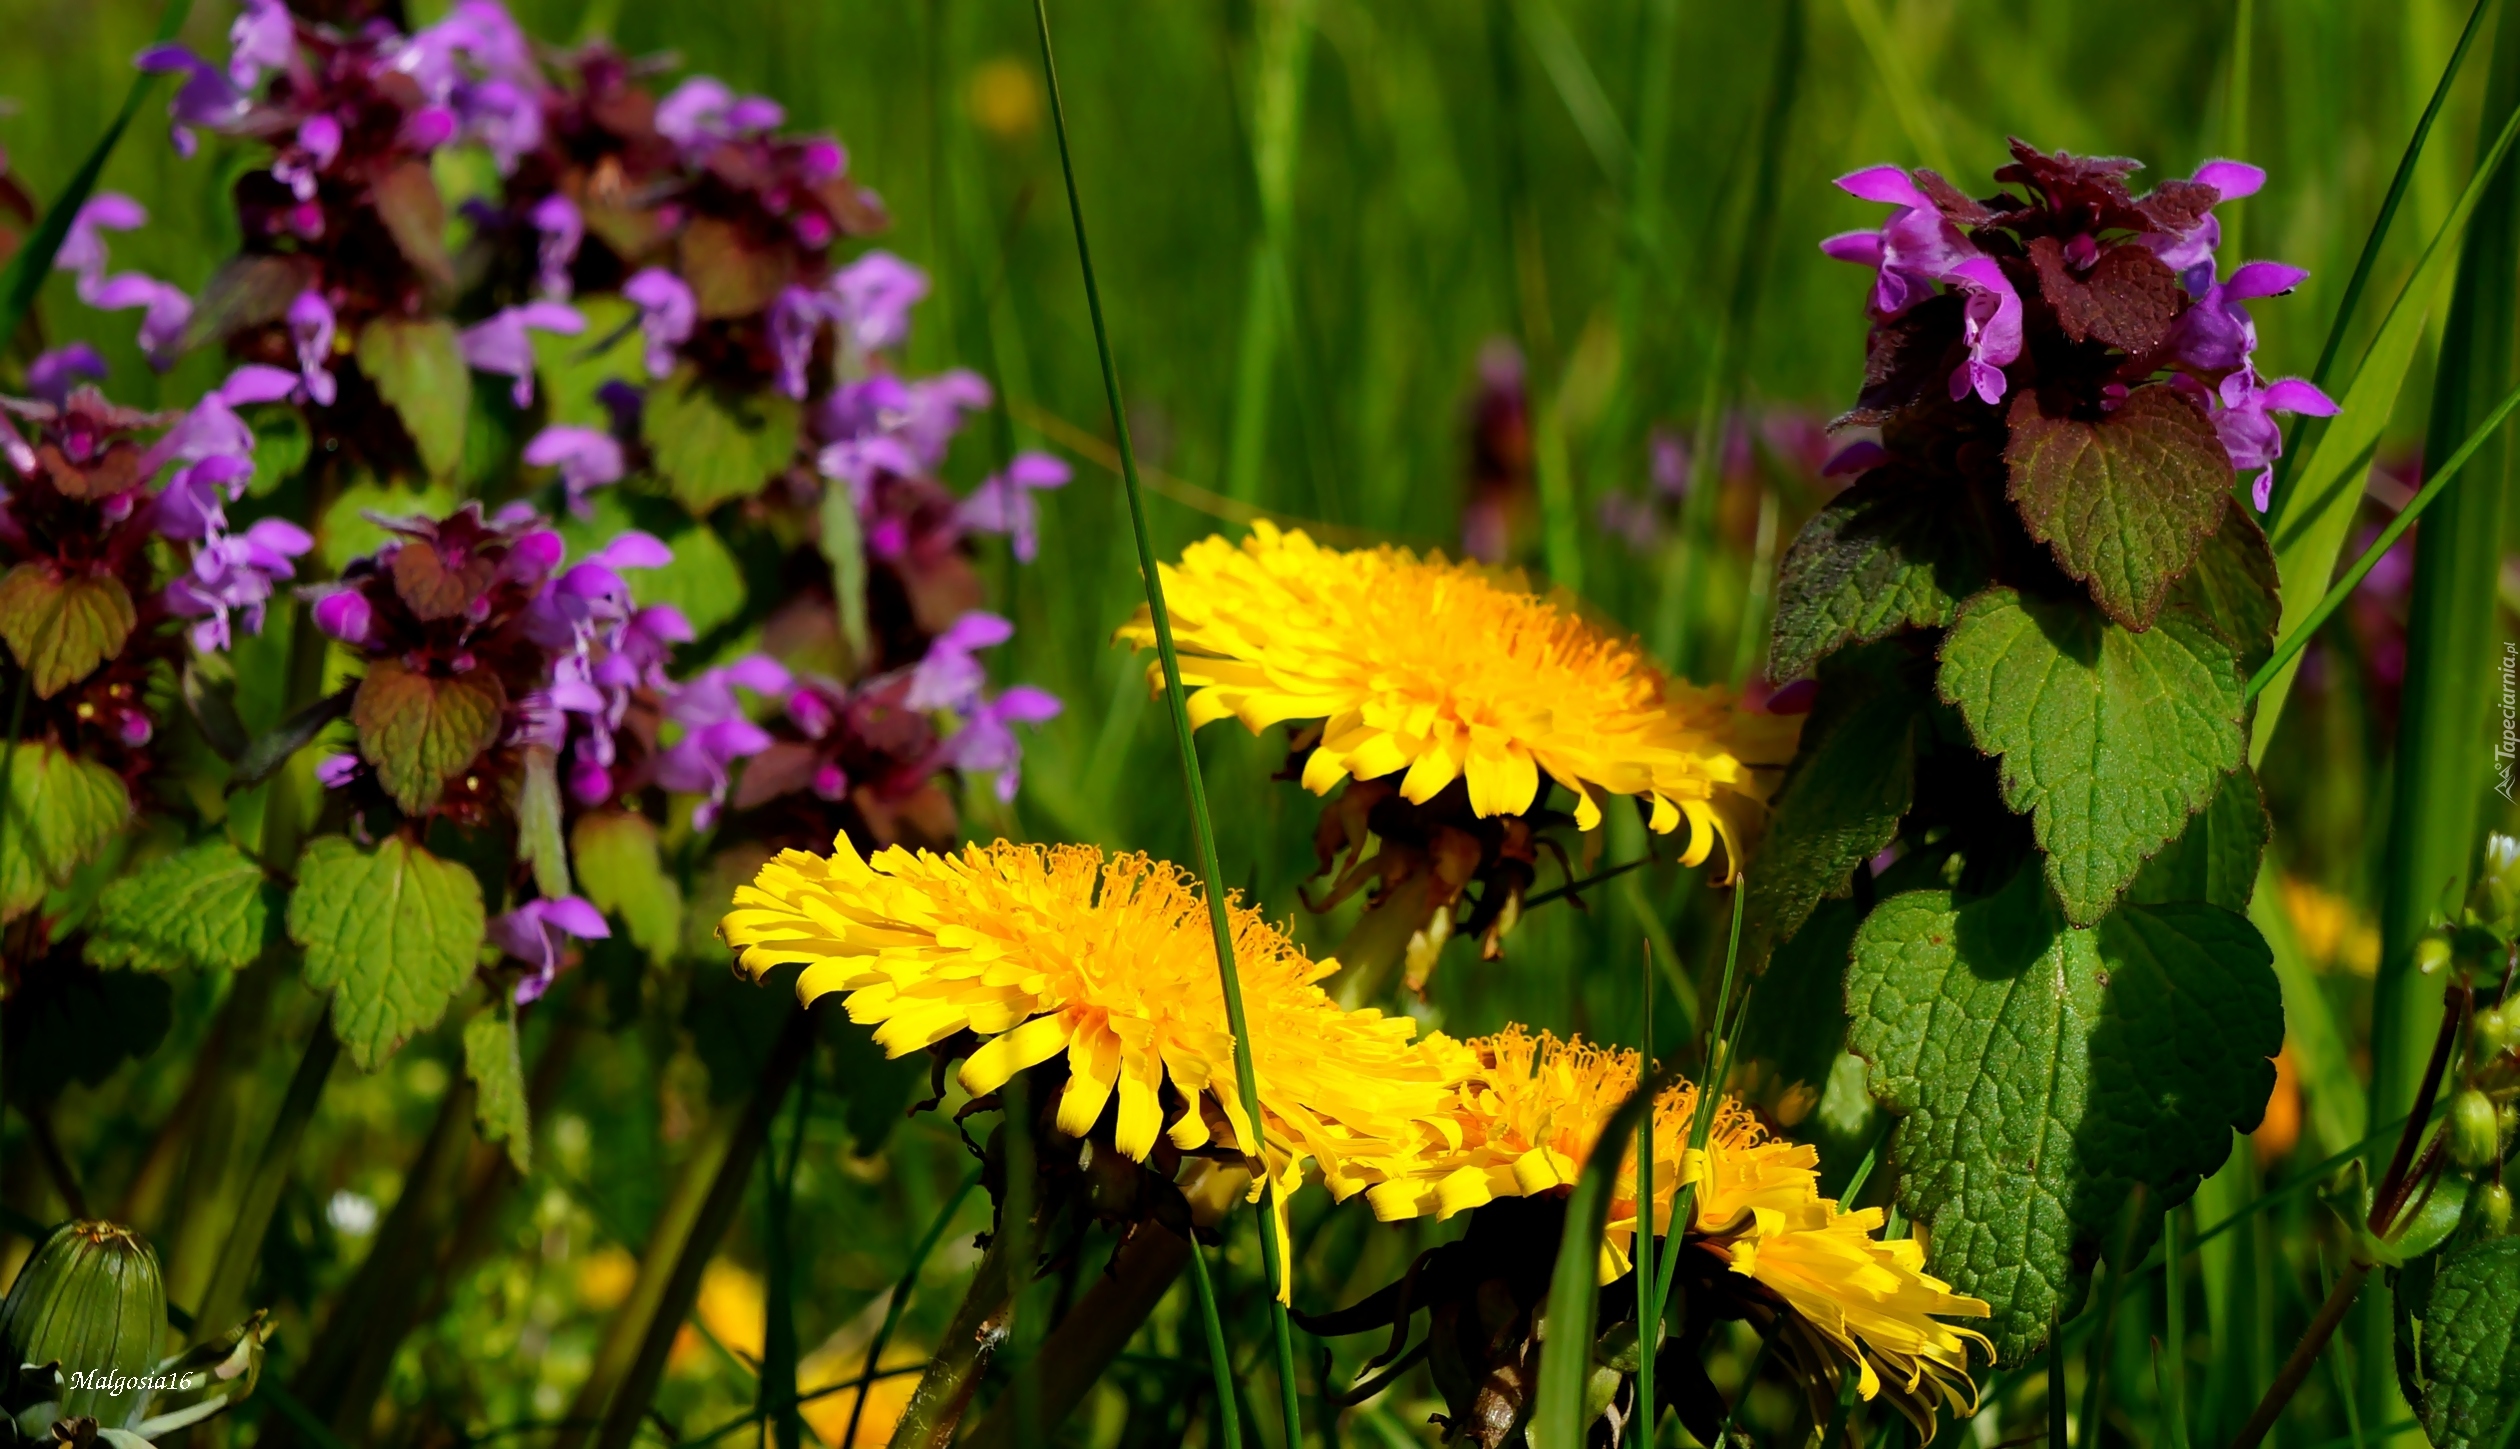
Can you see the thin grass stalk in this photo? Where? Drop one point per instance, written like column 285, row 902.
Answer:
column 225, row 1296
column 1285, row 50
column 1561, row 538
column 628, row 1408
column 1019, row 1216
column 1641, row 252
column 2343, row 589
column 1675, row 615
column 1907, row 97
column 1088, row 1337
column 1176, row 699
column 902, row 1289
column 1220, row 1358
column 1715, row 1063
column 1648, row 1302
column 2172, row 1365
column 2304, row 1355
column 2438, row 792
column 2236, row 109
column 776, row 1401
column 2370, row 256
column 2096, row 1362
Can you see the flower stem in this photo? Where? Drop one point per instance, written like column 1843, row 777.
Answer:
column 228, row 1281
column 1176, row 699
column 1098, row 1327
column 901, row 1299
column 1648, row 1301
column 2305, row 1353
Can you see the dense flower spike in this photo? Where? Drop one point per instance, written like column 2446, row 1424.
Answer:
column 1041, row 951
column 1524, row 1120
column 1439, row 671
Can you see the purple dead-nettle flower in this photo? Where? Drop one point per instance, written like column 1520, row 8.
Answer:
column 531, row 933
column 2190, row 253
column 950, row 677
column 262, row 37
column 796, row 318
column 298, row 166
column 2217, row 335
column 716, row 732
column 165, row 311
column 336, row 770
column 311, row 330
column 1916, row 246
column 859, row 461
column 1003, row 503
column 986, row 743
column 923, row 415
column 83, row 251
column 667, row 312
column 563, row 230
column 871, row 301
column 587, row 458
column 52, row 374
column 1990, row 325
column 501, row 345
column 236, row 574
column 215, row 450
column 477, row 71
column 2241, row 405
column 346, row 615
column 207, row 98
column 702, row 112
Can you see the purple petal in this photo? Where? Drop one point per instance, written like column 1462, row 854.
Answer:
column 1885, row 184
column 1023, row 704
column 576, row 917
column 2264, row 279
column 1864, row 248
column 2233, row 179
column 2293, row 395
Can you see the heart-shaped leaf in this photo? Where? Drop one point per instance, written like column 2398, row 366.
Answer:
column 207, row 905
column 419, row 729
column 2124, row 500
column 61, row 628
column 419, row 370
column 711, row 447
column 391, row 932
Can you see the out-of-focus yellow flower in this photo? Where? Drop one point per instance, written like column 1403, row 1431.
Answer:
column 1440, row 671
column 731, row 1306
column 1528, row 1113
column 2280, row 1130
column 2332, row 933
column 1049, row 950
column 604, row 1277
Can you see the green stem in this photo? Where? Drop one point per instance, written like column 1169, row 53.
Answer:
column 970, row 1340
column 2096, row 1362
column 1657, row 60
column 1648, row 1301
column 2174, row 1360
column 2343, row 589
column 1091, row 1335
column 1718, row 1061
column 1286, row 32
column 228, row 1281
column 776, row 1399
column 726, row 1194
column 2304, row 1355
column 901, row 1299
column 1561, row 537
column 1176, row 699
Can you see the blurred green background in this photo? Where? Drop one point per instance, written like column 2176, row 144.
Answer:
column 1379, row 192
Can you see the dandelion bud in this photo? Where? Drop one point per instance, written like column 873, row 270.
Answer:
column 2502, row 876
column 2432, row 953
column 2475, row 1131
column 90, row 1300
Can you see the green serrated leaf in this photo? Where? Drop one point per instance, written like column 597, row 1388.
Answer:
column 2215, row 858
column 63, row 810
column 497, row 1068
column 208, row 905
column 59, row 628
column 419, row 729
column 346, row 531
column 2110, row 739
column 2042, row 1071
column 573, row 370
column 1852, row 779
column 2124, row 500
column 709, row 446
column 622, row 874
column 2233, row 588
column 2471, row 1340
column 391, row 932
column 419, row 370
column 703, row 580
column 1885, row 555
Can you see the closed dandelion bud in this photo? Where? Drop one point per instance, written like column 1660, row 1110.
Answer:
column 2491, row 1206
column 2432, row 953
column 2490, row 1033
column 90, row 1301
column 2475, row 1130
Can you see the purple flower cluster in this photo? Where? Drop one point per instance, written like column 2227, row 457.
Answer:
column 1938, row 243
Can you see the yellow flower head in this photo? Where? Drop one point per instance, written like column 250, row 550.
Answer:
column 1047, row 950
column 1446, row 671
column 1527, row 1112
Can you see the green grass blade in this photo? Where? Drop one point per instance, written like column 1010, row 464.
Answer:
column 1561, row 531
column 1176, row 700
column 2337, row 1109
column 2173, row 1372
column 2309, row 528
column 1648, row 1301
column 1277, row 124
column 2236, row 111
column 1641, row 246
column 2298, row 638
column 1220, row 1359
column 1577, row 87
column 1907, row 97
column 1566, row 1358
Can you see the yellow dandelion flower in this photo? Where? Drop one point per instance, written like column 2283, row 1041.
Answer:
column 1047, row 950
column 1528, row 1111
column 1445, row 671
